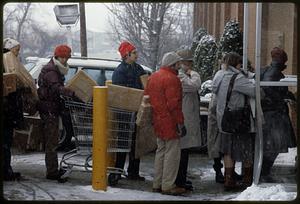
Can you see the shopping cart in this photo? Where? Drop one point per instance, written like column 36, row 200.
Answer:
column 121, row 125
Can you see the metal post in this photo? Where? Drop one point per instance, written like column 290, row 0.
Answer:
column 259, row 135
column 245, row 38
column 99, row 179
column 69, row 38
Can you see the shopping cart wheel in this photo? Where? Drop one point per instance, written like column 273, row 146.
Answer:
column 113, row 179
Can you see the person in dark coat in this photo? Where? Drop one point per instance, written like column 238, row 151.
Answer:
column 277, row 130
column 50, row 105
column 128, row 74
column 12, row 116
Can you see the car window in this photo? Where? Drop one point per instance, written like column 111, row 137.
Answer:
column 108, row 74
column 71, row 73
column 99, row 75
column 29, row 66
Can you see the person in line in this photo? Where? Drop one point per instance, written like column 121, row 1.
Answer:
column 128, row 74
column 277, row 130
column 12, row 116
column 50, row 106
column 191, row 84
column 235, row 147
column 214, row 140
column 165, row 92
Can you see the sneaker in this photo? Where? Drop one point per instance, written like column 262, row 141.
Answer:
column 135, row 177
column 174, row 191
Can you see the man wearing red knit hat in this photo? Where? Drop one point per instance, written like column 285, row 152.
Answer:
column 128, row 74
column 51, row 86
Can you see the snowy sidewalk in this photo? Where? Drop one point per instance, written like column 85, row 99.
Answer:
column 78, row 187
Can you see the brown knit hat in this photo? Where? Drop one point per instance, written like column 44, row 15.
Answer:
column 279, row 55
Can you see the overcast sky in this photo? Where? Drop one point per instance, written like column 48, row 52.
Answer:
column 96, row 16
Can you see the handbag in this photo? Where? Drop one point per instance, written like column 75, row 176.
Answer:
column 238, row 120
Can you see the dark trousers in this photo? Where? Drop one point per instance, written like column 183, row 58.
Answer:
column 268, row 161
column 7, row 143
column 183, row 166
column 134, row 164
column 67, row 123
column 51, row 134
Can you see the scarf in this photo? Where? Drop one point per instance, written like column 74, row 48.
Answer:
column 62, row 68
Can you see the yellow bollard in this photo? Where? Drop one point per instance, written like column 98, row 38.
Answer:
column 99, row 179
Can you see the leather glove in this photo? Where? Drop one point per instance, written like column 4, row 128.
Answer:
column 181, row 130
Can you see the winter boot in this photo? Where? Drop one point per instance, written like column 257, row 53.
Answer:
column 219, row 176
column 248, row 177
column 230, row 183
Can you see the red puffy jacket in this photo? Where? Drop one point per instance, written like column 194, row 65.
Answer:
column 164, row 89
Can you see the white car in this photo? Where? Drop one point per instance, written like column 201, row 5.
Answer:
column 97, row 68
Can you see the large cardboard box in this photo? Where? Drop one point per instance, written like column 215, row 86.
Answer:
column 145, row 134
column 9, row 83
column 82, row 84
column 124, row 97
column 24, row 79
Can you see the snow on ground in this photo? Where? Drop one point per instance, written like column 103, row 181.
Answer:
column 78, row 187
column 276, row 192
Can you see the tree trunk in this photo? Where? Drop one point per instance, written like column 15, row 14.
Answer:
column 83, row 38
column 22, row 21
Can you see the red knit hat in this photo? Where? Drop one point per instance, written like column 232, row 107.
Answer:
column 279, row 55
column 63, row 51
column 125, row 48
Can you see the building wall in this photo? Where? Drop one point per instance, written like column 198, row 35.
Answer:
column 279, row 27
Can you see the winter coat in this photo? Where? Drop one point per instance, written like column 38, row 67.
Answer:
column 213, row 138
column 51, row 86
column 277, row 129
column 190, row 108
column 165, row 91
column 128, row 75
column 242, row 86
column 274, row 99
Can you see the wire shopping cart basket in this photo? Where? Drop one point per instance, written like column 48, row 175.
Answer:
column 121, row 125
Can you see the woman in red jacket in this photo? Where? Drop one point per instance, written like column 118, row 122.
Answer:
column 164, row 89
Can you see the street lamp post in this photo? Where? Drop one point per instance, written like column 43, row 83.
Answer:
column 67, row 16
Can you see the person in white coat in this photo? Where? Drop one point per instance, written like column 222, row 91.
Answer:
column 191, row 84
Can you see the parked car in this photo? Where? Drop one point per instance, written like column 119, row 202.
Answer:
column 98, row 69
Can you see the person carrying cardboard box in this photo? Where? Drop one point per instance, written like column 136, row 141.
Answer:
column 128, row 74
column 12, row 116
column 50, row 106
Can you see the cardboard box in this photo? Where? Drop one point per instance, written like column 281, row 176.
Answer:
column 82, row 84
column 145, row 134
column 124, row 97
column 24, row 79
column 9, row 83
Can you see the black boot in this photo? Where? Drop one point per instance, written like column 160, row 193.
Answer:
column 219, row 176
